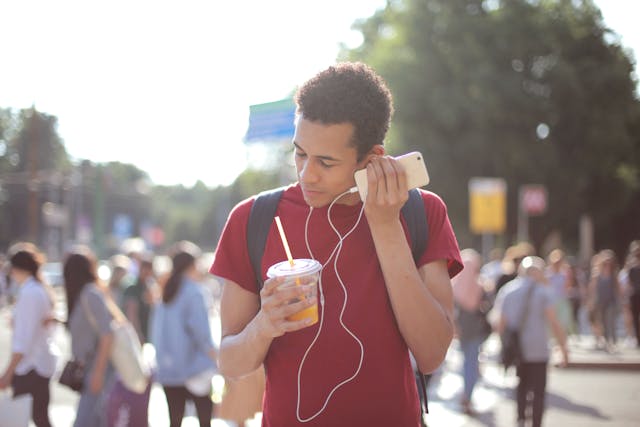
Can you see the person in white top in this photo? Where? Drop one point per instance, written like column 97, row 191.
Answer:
column 33, row 351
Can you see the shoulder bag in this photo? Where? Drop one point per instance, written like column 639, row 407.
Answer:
column 126, row 353
column 511, row 351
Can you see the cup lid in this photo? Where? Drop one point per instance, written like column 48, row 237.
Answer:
column 300, row 267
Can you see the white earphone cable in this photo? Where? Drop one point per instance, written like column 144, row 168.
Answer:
column 336, row 252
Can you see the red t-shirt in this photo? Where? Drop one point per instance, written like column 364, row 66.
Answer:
column 384, row 392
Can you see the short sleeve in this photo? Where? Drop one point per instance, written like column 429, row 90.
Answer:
column 231, row 259
column 28, row 316
column 441, row 241
column 98, row 310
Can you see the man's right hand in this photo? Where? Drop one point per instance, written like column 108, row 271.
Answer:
column 276, row 305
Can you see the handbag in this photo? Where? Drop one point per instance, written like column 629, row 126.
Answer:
column 126, row 356
column 72, row 375
column 19, row 407
column 126, row 353
column 511, row 351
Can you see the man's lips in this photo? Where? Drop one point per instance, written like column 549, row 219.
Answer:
column 311, row 191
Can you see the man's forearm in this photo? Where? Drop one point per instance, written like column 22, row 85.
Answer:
column 244, row 352
column 424, row 322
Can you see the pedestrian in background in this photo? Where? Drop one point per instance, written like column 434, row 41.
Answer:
column 556, row 274
column 632, row 289
column 512, row 258
column 182, row 337
column 492, row 269
column 33, row 351
column 120, row 278
column 605, row 294
column 139, row 298
column 472, row 327
column 91, row 311
column 576, row 294
column 534, row 340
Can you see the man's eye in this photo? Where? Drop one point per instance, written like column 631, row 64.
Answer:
column 300, row 154
column 325, row 164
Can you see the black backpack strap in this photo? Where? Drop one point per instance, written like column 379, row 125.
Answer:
column 261, row 216
column 416, row 218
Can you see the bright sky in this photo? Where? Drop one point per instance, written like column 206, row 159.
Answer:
column 166, row 85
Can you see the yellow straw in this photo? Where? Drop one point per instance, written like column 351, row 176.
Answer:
column 284, row 241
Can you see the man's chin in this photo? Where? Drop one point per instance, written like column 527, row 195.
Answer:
column 319, row 200
column 315, row 201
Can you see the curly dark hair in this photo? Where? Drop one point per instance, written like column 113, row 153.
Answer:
column 349, row 92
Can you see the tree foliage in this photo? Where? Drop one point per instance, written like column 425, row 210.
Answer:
column 531, row 91
column 35, row 171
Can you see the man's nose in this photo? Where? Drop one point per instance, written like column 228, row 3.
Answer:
column 309, row 172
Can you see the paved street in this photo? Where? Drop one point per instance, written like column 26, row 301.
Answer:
column 575, row 396
column 594, row 392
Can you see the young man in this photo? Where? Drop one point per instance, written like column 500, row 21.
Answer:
column 534, row 340
column 351, row 368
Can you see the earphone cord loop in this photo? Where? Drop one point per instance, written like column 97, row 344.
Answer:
column 336, row 251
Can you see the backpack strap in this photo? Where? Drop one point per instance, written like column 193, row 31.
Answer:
column 416, row 218
column 265, row 205
column 261, row 216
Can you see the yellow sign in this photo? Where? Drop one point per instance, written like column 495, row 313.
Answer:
column 487, row 205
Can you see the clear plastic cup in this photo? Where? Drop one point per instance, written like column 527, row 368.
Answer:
column 301, row 268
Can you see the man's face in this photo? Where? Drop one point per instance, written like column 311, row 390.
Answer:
column 325, row 162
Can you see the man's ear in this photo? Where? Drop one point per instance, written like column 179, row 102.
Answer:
column 375, row 151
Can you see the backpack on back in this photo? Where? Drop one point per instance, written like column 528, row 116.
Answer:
column 264, row 209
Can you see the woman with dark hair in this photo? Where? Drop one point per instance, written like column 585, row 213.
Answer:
column 33, row 351
column 91, row 312
column 182, row 337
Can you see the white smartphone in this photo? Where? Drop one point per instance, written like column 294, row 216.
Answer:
column 413, row 163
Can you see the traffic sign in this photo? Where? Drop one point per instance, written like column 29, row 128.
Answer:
column 533, row 199
column 487, row 205
column 273, row 121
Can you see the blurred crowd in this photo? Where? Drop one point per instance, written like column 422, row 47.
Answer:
column 169, row 300
column 570, row 300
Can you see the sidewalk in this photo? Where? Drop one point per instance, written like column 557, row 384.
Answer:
column 579, row 396
column 584, row 354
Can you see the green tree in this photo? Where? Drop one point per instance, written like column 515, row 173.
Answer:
column 32, row 171
column 531, row 91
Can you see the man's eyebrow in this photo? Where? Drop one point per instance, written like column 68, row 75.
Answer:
column 329, row 158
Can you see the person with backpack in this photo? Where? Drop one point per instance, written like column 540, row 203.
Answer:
column 526, row 304
column 375, row 301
